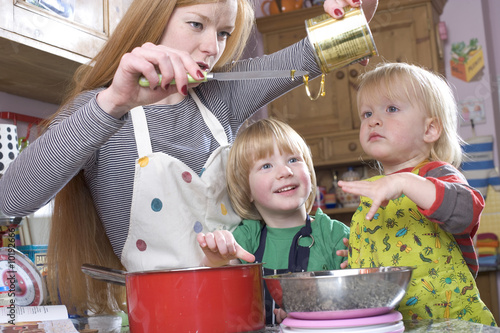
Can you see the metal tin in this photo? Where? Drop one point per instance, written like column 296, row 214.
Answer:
column 338, row 43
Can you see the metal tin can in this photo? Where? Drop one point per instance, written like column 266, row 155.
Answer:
column 338, row 43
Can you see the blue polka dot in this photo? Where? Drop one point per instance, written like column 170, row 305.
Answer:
column 156, row 205
column 198, row 227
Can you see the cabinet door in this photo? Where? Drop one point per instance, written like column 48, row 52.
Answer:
column 42, row 47
column 326, row 114
column 74, row 29
column 342, row 148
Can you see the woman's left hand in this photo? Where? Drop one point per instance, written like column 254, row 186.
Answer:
column 336, row 7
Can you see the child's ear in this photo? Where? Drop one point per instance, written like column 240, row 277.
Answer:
column 433, row 129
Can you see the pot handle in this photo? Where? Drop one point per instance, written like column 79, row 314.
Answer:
column 104, row 273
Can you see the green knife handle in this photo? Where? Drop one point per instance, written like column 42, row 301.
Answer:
column 143, row 82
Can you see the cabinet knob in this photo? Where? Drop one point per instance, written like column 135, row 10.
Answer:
column 340, row 75
column 353, row 146
column 353, row 73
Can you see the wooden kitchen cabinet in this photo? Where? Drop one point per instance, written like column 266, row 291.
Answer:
column 486, row 282
column 404, row 31
column 41, row 49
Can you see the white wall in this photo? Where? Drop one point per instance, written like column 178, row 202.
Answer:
column 478, row 19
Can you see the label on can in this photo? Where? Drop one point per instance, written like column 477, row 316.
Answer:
column 339, row 43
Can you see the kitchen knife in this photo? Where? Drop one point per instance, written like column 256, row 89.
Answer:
column 228, row 76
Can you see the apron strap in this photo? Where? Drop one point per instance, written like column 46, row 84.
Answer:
column 298, row 259
column 141, row 131
column 259, row 254
column 212, row 122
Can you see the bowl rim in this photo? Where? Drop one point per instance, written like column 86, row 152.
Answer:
column 339, row 273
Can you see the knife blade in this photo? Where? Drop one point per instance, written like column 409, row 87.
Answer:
column 229, row 76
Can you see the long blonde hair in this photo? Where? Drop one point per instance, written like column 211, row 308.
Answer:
column 256, row 142
column 77, row 234
column 423, row 87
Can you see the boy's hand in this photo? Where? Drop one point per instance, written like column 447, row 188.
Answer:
column 344, row 253
column 280, row 315
column 220, row 248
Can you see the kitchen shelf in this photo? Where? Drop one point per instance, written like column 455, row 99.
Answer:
column 20, row 117
column 334, row 211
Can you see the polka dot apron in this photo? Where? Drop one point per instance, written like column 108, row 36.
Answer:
column 399, row 235
column 171, row 203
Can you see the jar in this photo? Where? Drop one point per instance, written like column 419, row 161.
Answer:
column 348, row 199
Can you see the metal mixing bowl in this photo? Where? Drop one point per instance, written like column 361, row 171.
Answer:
column 339, row 294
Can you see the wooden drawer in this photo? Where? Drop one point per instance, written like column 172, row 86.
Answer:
column 334, row 149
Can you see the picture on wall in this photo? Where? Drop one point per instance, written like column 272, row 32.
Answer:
column 471, row 109
column 467, row 60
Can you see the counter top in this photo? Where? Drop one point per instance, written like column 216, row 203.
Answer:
column 108, row 324
column 434, row 326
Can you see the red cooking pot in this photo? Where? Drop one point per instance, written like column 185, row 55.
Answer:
column 201, row 299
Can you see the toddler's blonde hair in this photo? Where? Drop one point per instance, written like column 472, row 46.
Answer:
column 425, row 88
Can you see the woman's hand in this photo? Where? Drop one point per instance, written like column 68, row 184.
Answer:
column 220, row 248
column 336, row 7
column 125, row 93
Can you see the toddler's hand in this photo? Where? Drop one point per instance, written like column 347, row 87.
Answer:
column 380, row 191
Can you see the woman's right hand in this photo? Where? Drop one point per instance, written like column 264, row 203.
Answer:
column 125, row 93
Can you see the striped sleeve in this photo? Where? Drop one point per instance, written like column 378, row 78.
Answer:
column 457, row 208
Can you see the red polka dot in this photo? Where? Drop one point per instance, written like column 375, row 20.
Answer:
column 141, row 245
column 186, row 176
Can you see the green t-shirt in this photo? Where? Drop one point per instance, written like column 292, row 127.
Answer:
column 327, row 233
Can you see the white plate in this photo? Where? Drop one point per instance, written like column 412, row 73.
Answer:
column 397, row 327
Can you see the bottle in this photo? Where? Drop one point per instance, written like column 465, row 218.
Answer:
column 331, row 196
column 350, row 200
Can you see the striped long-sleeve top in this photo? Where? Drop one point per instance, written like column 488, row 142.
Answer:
column 457, row 208
column 84, row 137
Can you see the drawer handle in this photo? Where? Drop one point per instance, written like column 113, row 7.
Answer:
column 340, row 75
column 353, row 73
column 353, row 146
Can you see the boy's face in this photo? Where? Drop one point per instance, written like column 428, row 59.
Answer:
column 279, row 185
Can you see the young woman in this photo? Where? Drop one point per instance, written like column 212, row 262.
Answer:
column 138, row 172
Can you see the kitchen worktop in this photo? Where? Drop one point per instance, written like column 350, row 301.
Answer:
column 436, row 326
column 428, row 326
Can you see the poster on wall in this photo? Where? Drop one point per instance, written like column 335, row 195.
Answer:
column 472, row 112
column 467, row 60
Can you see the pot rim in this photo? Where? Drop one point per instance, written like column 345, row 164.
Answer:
column 192, row 269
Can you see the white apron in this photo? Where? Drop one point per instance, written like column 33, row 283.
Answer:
column 171, row 203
